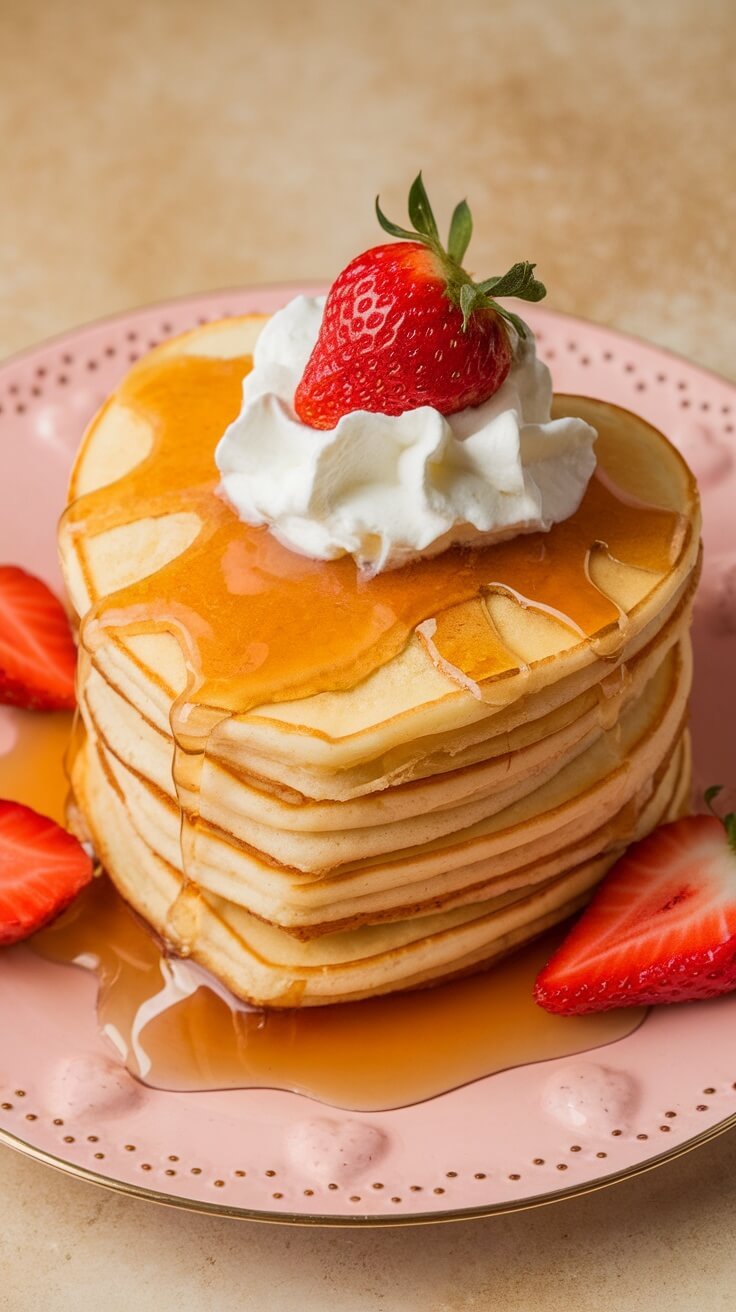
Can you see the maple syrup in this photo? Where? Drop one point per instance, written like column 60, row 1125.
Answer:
column 32, row 769
column 257, row 623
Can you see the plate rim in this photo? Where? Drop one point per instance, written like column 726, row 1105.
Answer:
column 358, row 1221
column 333, row 1220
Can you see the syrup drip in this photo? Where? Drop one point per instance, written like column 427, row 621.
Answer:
column 177, row 1028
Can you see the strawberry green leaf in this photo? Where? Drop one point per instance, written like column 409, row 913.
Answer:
column 393, row 229
column 468, row 301
column 711, row 794
column 519, row 281
column 461, row 230
column 420, row 211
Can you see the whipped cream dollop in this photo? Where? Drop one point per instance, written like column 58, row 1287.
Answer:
column 390, row 489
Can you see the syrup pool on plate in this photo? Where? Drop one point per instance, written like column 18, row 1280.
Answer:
column 175, row 1027
column 32, row 753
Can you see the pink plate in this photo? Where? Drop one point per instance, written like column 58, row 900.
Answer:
column 525, row 1136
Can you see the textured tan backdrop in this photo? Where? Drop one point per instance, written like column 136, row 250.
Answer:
column 155, row 147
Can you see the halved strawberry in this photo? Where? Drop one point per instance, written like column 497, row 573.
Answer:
column 404, row 325
column 37, row 653
column 661, row 928
column 42, row 868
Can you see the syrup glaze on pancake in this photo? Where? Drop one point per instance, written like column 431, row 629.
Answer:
column 257, row 622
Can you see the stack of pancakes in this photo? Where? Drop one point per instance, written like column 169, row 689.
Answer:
column 421, row 821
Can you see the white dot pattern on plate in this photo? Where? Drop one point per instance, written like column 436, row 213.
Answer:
column 360, row 1147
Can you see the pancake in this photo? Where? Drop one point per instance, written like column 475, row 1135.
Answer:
column 322, row 787
column 265, row 965
column 548, row 821
column 497, row 762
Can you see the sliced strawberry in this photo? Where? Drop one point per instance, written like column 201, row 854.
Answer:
column 37, row 653
column 42, row 868
column 661, row 928
column 404, row 326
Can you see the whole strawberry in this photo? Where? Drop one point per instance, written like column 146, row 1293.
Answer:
column 404, row 326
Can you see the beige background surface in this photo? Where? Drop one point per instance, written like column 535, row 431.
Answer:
column 155, row 147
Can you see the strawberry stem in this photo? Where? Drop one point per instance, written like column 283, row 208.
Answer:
column 709, row 797
column 470, row 296
column 728, row 821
